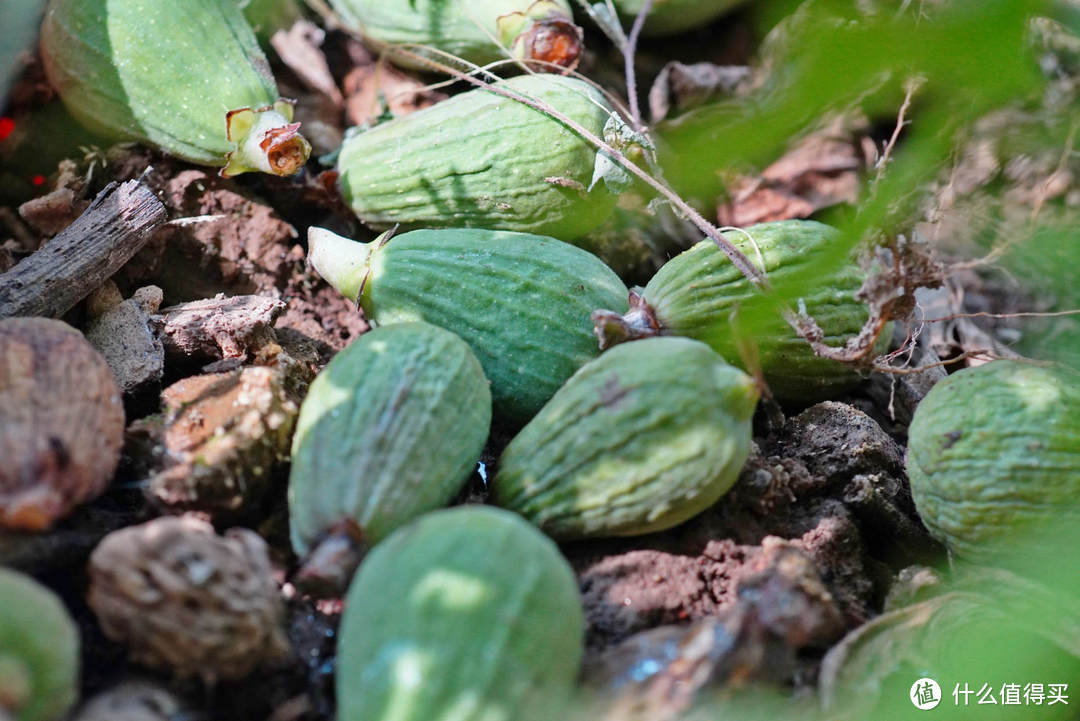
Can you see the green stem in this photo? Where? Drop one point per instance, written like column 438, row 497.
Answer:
column 343, row 263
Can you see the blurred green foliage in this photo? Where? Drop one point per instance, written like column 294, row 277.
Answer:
column 1046, row 264
column 18, row 27
column 832, row 56
column 983, row 626
column 269, row 16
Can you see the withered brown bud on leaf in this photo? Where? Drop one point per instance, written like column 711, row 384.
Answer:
column 183, row 598
column 61, row 422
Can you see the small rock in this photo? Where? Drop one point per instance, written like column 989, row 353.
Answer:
column 629, row 592
column 132, row 701
column 837, row 441
column 61, row 422
column 789, row 598
column 7, row 261
column 53, row 212
column 862, row 464
column 103, row 299
column 780, row 606
column 185, row 599
column 219, row 438
column 125, row 335
column 220, row 328
column 883, row 503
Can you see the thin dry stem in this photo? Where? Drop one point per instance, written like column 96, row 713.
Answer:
column 628, row 52
column 727, row 247
column 1025, row 314
column 911, row 87
column 855, row 351
column 977, row 353
column 1063, row 162
column 990, row 258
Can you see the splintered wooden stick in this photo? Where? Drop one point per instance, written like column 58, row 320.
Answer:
column 67, row 268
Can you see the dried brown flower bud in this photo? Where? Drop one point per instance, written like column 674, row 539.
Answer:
column 184, row 598
column 61, row 422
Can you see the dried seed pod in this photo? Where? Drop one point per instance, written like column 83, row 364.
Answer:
column 640, row 439
column 187, row 77
column 61, row 422
column 183, row 598
column 39, row 651
column 541, row 30
column 466, row 613
column 134, row 700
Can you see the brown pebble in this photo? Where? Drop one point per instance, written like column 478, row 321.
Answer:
column 61, row 422
column 185, row 599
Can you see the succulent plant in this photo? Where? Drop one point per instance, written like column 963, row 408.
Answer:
column 994, row 454
column 699, row 292
column 39, row 651
column 993, row 626
column 187, row 77
column 390, row 429
column 476, row 31
column 466, row 613
column 520, row 301
column 481, row 160
column 640, row 439
column 268, row 16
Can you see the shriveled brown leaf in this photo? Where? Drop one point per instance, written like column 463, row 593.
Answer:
column 300, row 47
column 820, row 171
column 680, row 87
column 373, row 81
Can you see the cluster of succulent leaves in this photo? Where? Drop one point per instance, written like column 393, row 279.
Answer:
column 823, row 64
